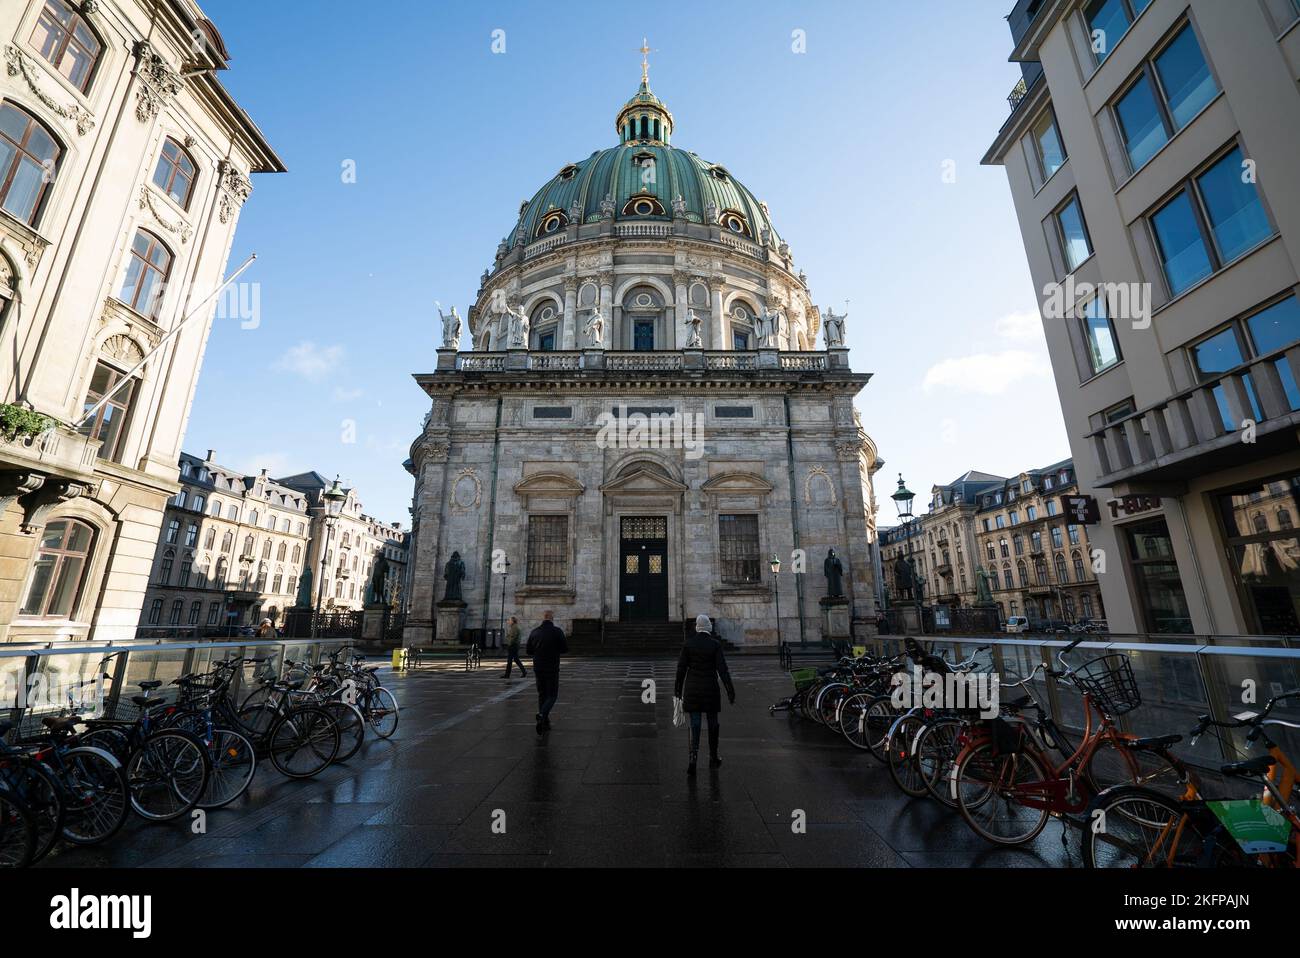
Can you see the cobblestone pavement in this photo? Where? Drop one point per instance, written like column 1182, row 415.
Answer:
column 606, row 786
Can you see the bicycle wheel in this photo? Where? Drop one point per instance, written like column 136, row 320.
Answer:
column 167, row 775
column 828, row 701
column 17, row 833
column 234, row 763
column 986, row 786
column 36, row 788
column 1132, row 827
column 94, row 794
column 352, row 728
column 258, row 696
column 256, row 721
column 902, row 759
column 936, row 749
column 878, row 717
column 852, row 713
column 381, row 711
column 111, row 739
column 304, row 742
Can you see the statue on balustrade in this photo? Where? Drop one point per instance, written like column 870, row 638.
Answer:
column 693, row 322
column 596, row 328
column 451, row 328
column 834, row 328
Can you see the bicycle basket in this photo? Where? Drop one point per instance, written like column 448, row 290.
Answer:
column 803, row 678
column 1109, row 680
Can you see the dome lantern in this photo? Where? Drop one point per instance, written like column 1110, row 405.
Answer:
column 644, row 118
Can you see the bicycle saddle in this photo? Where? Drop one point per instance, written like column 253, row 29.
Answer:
column 151, row 685
column 1017, row 704
column 145, row 701
column 1252, row 766
column 1154, row 741
column 59, row 723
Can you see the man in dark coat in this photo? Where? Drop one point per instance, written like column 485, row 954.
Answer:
column 699, row 667
column 546, row 644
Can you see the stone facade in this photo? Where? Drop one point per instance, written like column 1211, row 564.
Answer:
column 536, row 448
column 80, row 511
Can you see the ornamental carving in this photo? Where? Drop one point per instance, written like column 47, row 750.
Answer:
column 848, row 451
column 122, row 349
column 466, row 491
column 234, row 187
column 177, row 227
column 159, row 83
column 20, row 65
column 819, row 489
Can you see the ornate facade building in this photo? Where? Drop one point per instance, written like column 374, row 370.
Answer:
column 124, row 164
column 644, row 418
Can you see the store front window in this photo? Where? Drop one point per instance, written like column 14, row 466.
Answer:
column 1265, row 552
column 1155, row 575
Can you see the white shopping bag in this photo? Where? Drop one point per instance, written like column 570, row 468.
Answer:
column 679, row 714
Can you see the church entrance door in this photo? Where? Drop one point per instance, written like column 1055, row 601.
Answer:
column 643, row 569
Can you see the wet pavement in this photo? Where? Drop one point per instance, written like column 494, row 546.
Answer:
column 605, row 787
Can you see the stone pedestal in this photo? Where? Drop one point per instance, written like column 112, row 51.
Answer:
column 768, row 358
column 516, row 358
column 372, row 622
column 417, row 634
column 835, row 618
column 837, row 358
column 451, row 619
column 909, row 619
column 593, row 358
column 693, row 359
column 446, row 359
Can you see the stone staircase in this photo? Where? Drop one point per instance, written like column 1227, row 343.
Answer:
column 640, row 639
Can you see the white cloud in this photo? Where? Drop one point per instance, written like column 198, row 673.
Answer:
column 990, row 374
column 1025, row 327
column 309, row 360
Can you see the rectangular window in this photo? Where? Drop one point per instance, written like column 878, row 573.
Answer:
column 195, row 609
column 1272, row 328
column 1108, row 21
column 108, row 424
column 175, row 617
column 738, row 548
column 1156, row 580
column 1103, row 350
column 1032, row 512
column 1141, row 122
column 214, row 611
column 546, row 341
column 1213, row 220
column 548, row 550
column 1047, row 144
column 1184, row 77
column 155, row 611
column 1075, row 244
column 1261, row 538
column 739, row 340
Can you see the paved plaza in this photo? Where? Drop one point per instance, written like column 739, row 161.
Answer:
column 605, row 787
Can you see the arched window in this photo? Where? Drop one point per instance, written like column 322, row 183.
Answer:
column 248, row 545
column 1040, row 571
column 1018, row 543
column 198, row 503
column 232, row 513
column 1061, row 574
column 261, row 577
column 29, row 159
column 1079, row 574
column 1284, row 519
column 544, row 326
column 165, row 567
column 278, row 580
column 59, row 569
column 297, row 554
column 252, row 519
column 175, row 173
column 1023, row 574
column 1006, row 577
column 66, row 41
column 742, row 325
column 109, row 424
column 146, row 275
column 205, row 567
column 1086, row 599
column 990, row 550
column 227, row 541
column 220, row 581
column 280, row 552
column 210, row 537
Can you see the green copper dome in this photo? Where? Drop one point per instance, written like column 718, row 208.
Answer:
column 641, row 180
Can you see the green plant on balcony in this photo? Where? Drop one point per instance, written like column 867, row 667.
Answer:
column 19, row 423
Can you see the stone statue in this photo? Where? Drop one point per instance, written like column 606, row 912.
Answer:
column 983, row 594
column 607, row 207
column 453, row 572
column 710, row 213
column 483, row 280
column 521, row 235
column 834, row 326
column 596, row 328
column 834, row 571
column 379, row 580
column 518, row 327
column 303, row 601
column 575, row 213
column 906, row 579
column 765, row 237
column 451, row 328
column 501, row 251
column 767, row 327
column 679, row 207
column 693, row 322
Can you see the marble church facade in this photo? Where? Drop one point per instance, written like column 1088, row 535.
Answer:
column 643, row 419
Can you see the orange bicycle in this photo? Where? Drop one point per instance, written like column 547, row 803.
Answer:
column 1006, row 785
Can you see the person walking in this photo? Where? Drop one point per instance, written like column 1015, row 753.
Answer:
column 699, row 667
column 546, row 644
column 266, row 630
column 512, row 648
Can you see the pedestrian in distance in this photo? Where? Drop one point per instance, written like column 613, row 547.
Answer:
column 546, row 644
column 699, row 667
column 512, row 648
column 266, row 630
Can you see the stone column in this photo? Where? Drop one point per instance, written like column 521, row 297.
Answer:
column 428, row 519
column 569, row 332
column 715, row 297
column 680, row 332
column 614, row 335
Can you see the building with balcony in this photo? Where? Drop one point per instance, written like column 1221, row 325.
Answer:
column 1152, row 170
column 124, row 165
column 644, row 417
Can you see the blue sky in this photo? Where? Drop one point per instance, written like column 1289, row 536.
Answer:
column 848, row 144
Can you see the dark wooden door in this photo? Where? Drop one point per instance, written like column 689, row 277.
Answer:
column 643, row 569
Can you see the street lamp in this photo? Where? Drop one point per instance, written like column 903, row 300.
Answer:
column 903, row 503
column 505, row 573
column 333, row 499
column 775, row 565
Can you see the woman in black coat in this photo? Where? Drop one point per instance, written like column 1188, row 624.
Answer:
column 699, row 667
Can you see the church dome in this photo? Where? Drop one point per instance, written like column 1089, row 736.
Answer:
column 642, row 179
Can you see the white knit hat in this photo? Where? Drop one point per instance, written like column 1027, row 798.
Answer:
column 702, row 624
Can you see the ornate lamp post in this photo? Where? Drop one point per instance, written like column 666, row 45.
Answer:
column 505, row 574
column 903, row 503
column 775, row 565
column 333, row 498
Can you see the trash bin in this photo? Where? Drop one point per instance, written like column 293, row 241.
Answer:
column 399, row 659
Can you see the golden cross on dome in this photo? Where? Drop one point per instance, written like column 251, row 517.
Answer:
column 645, row 61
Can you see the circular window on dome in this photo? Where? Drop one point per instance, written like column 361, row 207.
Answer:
column 552, row 223
column 643, row 205
column 735, row 223
column 644, row 208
